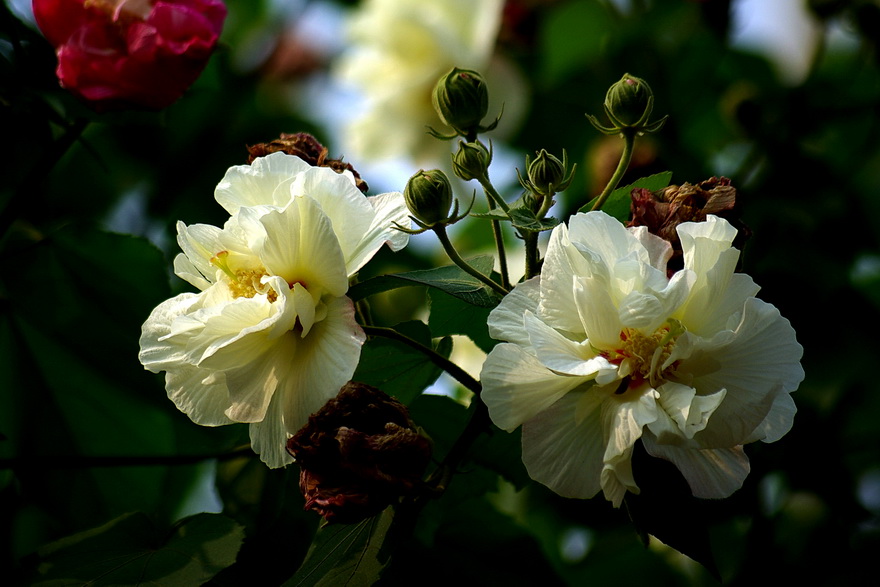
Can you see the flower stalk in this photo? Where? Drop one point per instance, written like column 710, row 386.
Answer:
column 440, row 231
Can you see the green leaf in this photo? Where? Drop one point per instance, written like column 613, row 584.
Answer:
column 451, row 315
column 501, row 452
column 449, row 278
column 527, row 220
column 618, row 203
column 350, row 555
column 131, row 550
column 397, row 368
column 494, row 214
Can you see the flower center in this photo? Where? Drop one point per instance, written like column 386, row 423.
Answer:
column 244, row 283
column 641, row 356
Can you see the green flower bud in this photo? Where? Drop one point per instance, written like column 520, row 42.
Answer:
column 461, row 99
column 547, row 174
column 629, row 102
column 428, row 196
column 471, row 161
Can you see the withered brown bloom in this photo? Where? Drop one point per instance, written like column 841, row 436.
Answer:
column 307, row 148
column 664, row 210
column 358, row 454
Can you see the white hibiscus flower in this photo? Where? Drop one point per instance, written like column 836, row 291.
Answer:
column 399, row 50
column 271, row 336
column 603, row 350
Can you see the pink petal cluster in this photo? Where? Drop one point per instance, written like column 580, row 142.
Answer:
column 130, row 53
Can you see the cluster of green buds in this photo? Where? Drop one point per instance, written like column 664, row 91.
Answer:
column 461, row 99
column 546, row 175
column 428, row 195
column 628, row 105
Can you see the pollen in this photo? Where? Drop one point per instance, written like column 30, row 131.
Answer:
column 642, row 356
column 243, row 283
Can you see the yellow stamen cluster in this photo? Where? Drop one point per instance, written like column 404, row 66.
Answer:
column 243, row 283
column 642, row 356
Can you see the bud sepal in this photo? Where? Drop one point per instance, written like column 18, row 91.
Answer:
column 629, row 104
column 428, row 195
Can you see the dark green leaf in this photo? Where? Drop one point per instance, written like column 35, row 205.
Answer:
column 397, row 368
column 501, row 451
column 450, row 315
column 618, row 203
column 347, row 555
column 449, row 278
column 131, row 550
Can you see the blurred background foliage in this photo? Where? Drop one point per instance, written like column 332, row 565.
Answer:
column 87, row 210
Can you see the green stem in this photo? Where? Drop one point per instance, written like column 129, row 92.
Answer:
column 454, row 370
column 629, row 139
column 532, row 261
column 494, row 198
column 440, row 230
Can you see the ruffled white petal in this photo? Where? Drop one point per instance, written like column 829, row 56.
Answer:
column 710, row 473
column 565, row 452
column 562, row 355
column 298, row 244
column 506, row 319
column 388, row 210
column 265, row 182
column 761, row 360
column 516, row 387
column 623, row 418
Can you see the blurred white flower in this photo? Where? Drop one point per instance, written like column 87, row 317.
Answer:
column 400, row 48
column 603, row 349
column 271, row 336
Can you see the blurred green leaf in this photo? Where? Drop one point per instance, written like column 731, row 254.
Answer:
column 449, row 278
column 618, row 203
column 573, row 36
column 353, row 555
column 132, row 550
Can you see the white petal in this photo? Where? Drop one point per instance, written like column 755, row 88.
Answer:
column 269, row 436
column 199, row 394
column 597, row 313
column 659, row 249
column 516, row 386
column 561, row 263
column 188, row 272
column 778, row 422
column 761, row 360
column 300, row 246
column 253, row 385
column 607, row 237
column 264, row 182
column 192, row 389
column 321, row 364
column 560, row 354
column 711, row 473
column 348, row 210
column 506, row 320
column 388, row 209
column 564, row 452
column 624, row 417
column 689, row 412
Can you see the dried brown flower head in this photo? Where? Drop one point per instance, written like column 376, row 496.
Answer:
column 664, row 210
column 307, row 148
column 358, row 454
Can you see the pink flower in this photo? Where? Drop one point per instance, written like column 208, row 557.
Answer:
column 130, row 53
